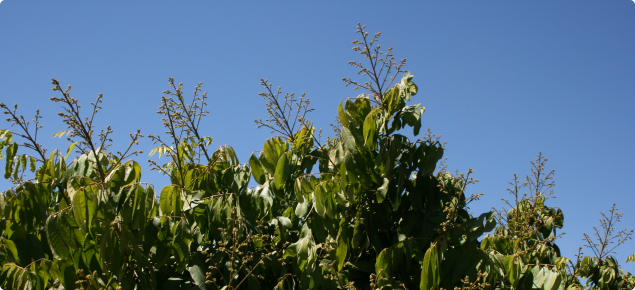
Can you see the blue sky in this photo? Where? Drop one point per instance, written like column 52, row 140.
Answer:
column 500, row 80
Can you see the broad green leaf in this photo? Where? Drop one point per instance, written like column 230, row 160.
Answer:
column 515, row 268
column 256, row 169
column 284, row 221
column 553, row 281
column 139, row 212
column 320, row 197
column 24, row 161
column 267, row 166
column 411, row 86
column 343, row 243
column 298, row 190
column 342, row 116
column 303, row 140
column 539, row 275
column 384, row 267
column 348, row 140
column 142, row 260
column 274, row 147
column 283, row 170
column 182, row 241
column 59, row 240
column 5, row 137
column 358, row 231
column 370, row 129
column 354, row 112
column 382, row 190
column 430, row 274
column 10, row 152
column 301, row 209
column 349, row 167
column 17, row 161
column 197, row 270
column 10, row 246
column 80, row 209
column 304, row 250
column 31, row 164
column 331, row 189
column 170, row 201
column 430, row 155
column 411, row 115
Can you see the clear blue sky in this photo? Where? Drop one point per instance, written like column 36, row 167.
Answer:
column 500, row 80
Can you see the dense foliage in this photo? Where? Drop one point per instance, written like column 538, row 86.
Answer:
column 368, row 209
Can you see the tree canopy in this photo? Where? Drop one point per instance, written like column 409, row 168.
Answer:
column 370, row 208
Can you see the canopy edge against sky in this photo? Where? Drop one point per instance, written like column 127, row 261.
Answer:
column 500, row 80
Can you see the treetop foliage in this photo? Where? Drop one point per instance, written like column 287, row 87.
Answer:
column 367, row 209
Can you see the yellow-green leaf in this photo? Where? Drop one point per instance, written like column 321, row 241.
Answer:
column 370, row 129
column 430, row 277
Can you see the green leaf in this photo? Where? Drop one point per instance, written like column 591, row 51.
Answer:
column 303, row 140
column 354, row 112
column 267, row 166
column 256, row 169
column 515, row 268
column 348, row 140
column 16, row 166
column 331, row 190
column 273, row 148
column 197, row 271
column 3, row 204
column 182, row 241
column 80, row 209
column 137, row 215
column 31, row 163
column 24, row 161
column 320, row 197
column 283, row 170
column 10, row 246
column 302, row 209
column 370, row 129
column 170, row 201
column 304, row 250
column 59, row 240
column 553, row 281
column 5, row 137
column 284, row 221
column 343, row 243
column 10, row 152
column 411, row 115
column 348, row 167
column 382, row 190
column 539, row 276
column 298, row 190
column 409, row 84
column 70, row 149
column 358, row 231
column 430, row 276
column 342, row 115
column 384, row 267
column 85, row 206
column 429, row 156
